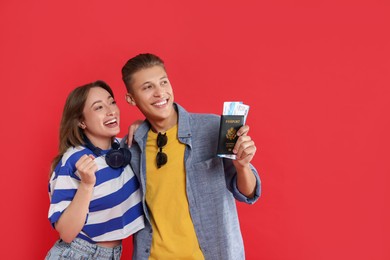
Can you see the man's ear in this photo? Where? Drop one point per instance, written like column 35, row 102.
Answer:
column 130, row 99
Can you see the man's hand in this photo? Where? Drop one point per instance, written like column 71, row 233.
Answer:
column 244, row 148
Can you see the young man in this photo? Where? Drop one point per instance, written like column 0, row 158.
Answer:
column 188, row 192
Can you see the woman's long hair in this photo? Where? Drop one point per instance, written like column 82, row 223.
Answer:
column 71, row 135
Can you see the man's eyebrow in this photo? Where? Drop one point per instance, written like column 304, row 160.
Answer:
column 146, row 82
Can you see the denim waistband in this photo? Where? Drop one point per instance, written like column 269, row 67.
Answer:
column 95, row 250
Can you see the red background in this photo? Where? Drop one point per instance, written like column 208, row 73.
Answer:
column 315, row 73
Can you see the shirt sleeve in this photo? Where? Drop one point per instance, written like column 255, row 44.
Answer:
column 62, row 188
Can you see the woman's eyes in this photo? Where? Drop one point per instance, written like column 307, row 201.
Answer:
column 99, row 107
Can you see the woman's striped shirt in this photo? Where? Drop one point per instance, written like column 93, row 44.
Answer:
column 115, row 210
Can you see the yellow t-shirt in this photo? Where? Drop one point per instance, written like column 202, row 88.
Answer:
column 173, row 231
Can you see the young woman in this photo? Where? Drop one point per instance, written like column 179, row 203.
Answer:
column 95, row 200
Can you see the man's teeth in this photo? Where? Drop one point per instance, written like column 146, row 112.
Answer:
column 110, row 121
column 161, row 103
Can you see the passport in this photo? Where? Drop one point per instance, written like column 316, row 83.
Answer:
column 228, row 128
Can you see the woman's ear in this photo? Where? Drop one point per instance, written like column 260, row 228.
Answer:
column 130, row 99
column 82, row 125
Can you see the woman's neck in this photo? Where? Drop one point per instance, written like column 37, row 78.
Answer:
column 102, row 143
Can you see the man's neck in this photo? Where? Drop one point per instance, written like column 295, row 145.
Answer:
column 164, row 125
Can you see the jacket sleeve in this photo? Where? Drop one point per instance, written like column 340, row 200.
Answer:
column 231, row 181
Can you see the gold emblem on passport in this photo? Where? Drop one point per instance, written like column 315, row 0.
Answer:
column 231, row 133
column 228, row 133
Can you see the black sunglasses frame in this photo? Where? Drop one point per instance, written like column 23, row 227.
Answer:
column 161, row 157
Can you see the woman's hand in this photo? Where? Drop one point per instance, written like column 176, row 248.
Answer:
column 86, row 167
column 132, row 128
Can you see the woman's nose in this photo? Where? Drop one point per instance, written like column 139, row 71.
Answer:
column 111, row 111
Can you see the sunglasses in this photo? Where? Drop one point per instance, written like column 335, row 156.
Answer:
column 161, row 158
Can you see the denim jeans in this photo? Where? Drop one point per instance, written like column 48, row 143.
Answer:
column 80, row 249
